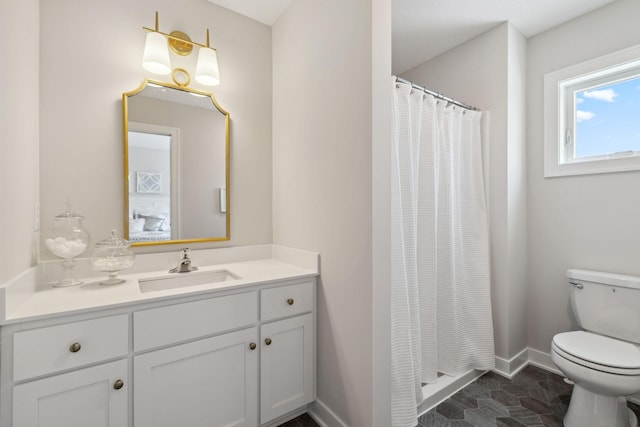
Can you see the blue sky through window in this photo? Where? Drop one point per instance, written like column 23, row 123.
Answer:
column 608, row 119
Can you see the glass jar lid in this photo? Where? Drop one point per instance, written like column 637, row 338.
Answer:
column 69, row 214
column 113, row 242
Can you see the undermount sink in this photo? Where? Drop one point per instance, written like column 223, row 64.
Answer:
column 183, row 280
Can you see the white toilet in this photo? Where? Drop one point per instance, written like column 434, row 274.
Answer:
column 603, row 360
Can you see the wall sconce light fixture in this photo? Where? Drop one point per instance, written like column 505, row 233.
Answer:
column 156, row 54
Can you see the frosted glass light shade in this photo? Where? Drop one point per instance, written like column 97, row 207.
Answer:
column 207, row 68
column 156, row 54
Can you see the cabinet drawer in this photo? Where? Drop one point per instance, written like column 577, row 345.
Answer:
column 286, row 301
column 46, row 350
column 181, row 322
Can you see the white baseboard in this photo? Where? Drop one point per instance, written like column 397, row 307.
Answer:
column 528, row 356
column 542, row 360
column 509, row 368
column 323, row 415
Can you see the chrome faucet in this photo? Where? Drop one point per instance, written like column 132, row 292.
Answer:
column 184, row 265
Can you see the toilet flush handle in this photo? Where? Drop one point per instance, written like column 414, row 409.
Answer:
column 577, row 285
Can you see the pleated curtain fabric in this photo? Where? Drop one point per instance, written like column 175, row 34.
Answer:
column 440, row 302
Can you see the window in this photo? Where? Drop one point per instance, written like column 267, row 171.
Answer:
column 592, row 116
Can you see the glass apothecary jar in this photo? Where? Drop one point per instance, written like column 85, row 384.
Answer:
column 111, row 256
column 67, row 240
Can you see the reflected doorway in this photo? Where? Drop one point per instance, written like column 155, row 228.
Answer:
column 153, row 187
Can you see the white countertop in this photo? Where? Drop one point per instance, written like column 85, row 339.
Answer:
column 45, row 300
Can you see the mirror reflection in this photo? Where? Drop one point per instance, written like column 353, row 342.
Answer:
column 176, row 145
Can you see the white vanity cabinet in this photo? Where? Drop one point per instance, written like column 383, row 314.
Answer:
column 287, row 349
column 218, row 381
column 90, row 396
column 207, row 382
column 210, row 382
column 286, row 366
column 242, row 358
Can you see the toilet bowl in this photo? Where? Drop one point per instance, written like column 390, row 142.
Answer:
column 603, row 370
column 603, row 360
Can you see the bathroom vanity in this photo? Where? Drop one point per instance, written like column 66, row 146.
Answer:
column 230, row 344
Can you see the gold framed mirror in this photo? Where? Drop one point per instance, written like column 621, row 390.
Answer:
column 176, row 165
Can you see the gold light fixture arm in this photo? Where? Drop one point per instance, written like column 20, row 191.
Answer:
column 178, row 37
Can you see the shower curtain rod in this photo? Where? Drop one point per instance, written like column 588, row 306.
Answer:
column 436, row 94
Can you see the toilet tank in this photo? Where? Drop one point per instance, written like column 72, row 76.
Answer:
column 606, row 303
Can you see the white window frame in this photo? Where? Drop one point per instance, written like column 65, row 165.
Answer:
column 559, row 117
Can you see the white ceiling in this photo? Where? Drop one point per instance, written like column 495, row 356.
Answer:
column 423, row 29
column 265, row 11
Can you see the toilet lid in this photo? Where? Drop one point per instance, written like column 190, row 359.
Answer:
column 599, row 349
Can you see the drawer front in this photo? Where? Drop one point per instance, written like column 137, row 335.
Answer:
column 181, row 322
column 286, row 301
column 46, row 350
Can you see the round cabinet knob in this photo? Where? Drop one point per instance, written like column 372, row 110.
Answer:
column 252, row 346
column 267, row 341
column 75, row 347
column 290, row 301
column 118, row 384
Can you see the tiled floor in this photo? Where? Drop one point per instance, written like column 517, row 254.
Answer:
column 303, row 420
column 534, row 398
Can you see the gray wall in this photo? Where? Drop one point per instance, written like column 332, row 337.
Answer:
column 323, row 183
column 590, row 222
column 19, row 123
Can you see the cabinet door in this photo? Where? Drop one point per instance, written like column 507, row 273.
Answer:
column 208, row 383
column 286, row 366
column 95, row 397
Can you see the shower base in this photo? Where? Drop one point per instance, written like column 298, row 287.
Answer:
column 435, row 393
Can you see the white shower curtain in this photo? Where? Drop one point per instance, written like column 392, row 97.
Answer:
column 440, row 302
